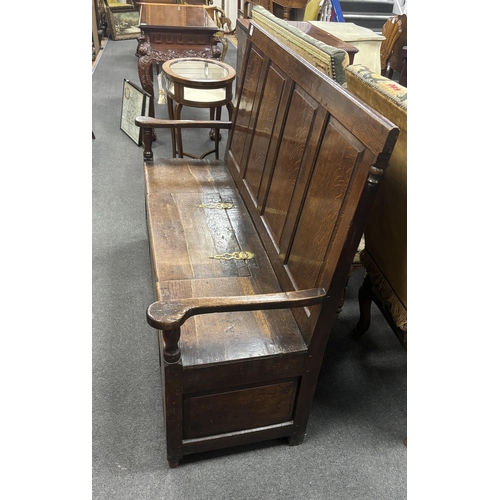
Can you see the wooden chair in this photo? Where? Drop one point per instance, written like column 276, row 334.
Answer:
column 221, row 20
column 397, row 60
column 392, row 30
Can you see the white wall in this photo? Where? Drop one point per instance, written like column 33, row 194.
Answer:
column 230, row 8
column 400, row 6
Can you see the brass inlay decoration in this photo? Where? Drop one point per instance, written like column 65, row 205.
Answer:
column 219, row 205
column 234, row 256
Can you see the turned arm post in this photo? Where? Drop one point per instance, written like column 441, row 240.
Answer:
column 171, row 351
column 147, row 142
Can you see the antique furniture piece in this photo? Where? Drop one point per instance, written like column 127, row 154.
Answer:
column 327, row 53
column 365, row 40
column 100, row 12
column 250, row 255
column 96, row 39
column 289, row 8
column 199, row 83
column 249, row 4
column 292, row 9
column 327, row 38
column 394, row 30
column 220, row 18
column 173, row 31
column 289, row 33
column 384, row 255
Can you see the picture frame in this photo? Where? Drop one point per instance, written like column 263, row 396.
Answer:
column 124, row 24
column 135, row 102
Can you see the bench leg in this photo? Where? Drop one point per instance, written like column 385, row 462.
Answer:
column 172, row 391
column 172, row 395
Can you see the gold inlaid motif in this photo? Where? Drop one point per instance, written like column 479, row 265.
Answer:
column 234, row 256
column 220, row 205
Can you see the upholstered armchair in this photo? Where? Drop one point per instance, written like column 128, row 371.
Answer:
column 384, row 253
column 328, row 59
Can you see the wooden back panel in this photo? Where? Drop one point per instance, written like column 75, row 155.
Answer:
column 307, row 157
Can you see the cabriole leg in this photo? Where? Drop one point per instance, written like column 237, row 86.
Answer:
column 365, row 303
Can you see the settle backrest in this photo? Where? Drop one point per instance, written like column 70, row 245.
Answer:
column 307, row 158
column 385, row 254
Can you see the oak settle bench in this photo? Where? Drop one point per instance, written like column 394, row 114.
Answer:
column 250, row 255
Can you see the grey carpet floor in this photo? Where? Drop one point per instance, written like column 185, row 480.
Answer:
column 354, row 443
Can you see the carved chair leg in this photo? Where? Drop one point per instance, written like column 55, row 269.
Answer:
column 365, row 302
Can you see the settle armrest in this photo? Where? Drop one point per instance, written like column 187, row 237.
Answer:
column 167, row 315
column 148, row 122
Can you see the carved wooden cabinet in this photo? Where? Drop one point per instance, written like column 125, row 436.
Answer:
column 172, row 31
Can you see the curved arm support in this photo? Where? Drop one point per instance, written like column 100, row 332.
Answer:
column 170, row 315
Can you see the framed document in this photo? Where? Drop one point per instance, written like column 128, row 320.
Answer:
column 135, row 102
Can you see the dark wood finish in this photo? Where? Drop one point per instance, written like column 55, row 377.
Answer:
column 242, row 26
column 289, row 6
column 172, row 31
column 242, row 341
column 397, row 59
column 402, row 75
column 394, row 31
column 267, row 4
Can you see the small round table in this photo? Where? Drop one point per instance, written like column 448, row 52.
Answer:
column 200, row 83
